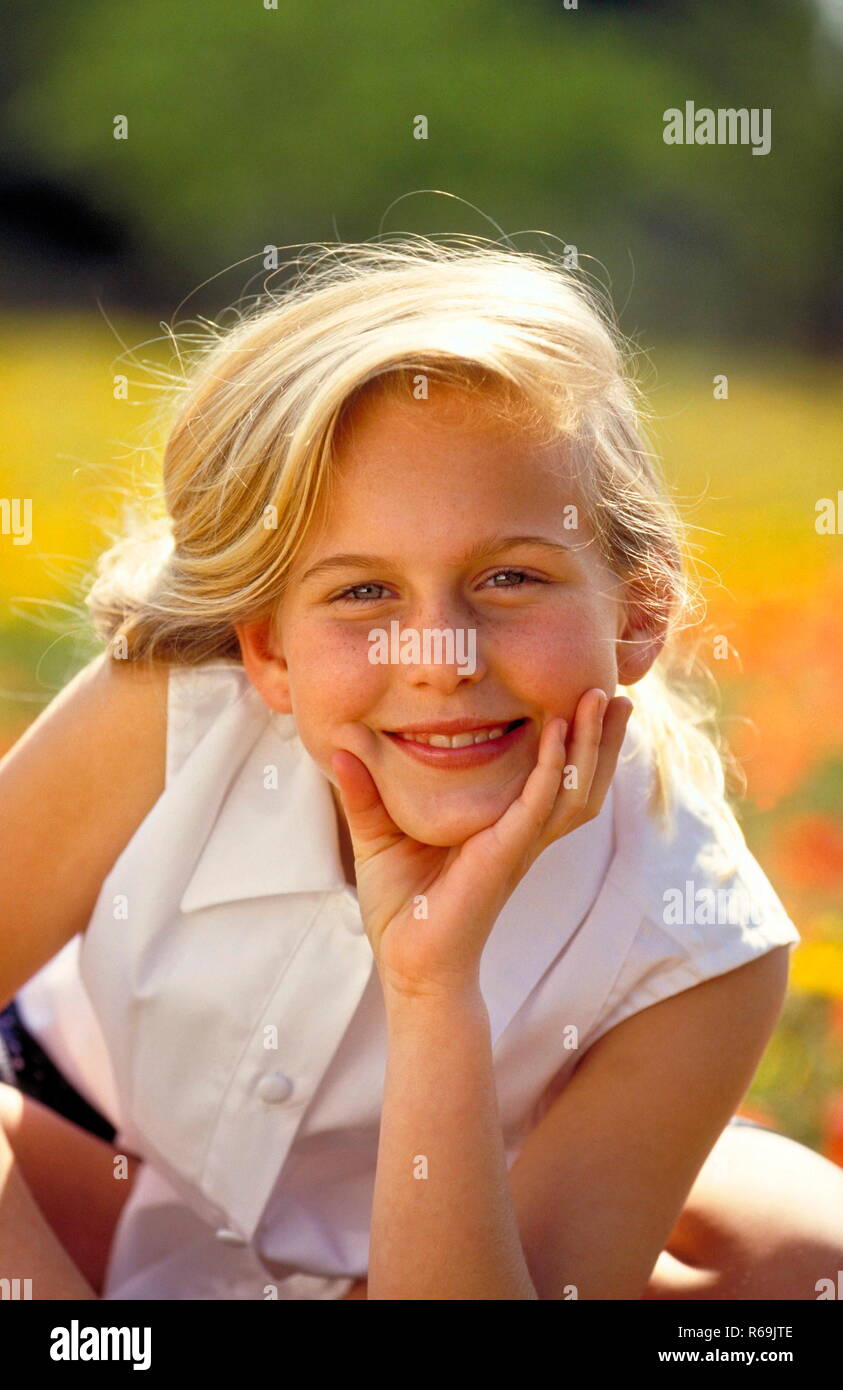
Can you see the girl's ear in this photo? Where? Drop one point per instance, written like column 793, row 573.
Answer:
column 644, row 631
column 264, row 663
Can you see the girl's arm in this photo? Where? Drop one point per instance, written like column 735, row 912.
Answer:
column 73, row 790
column 443, row 1223
column 591, row 1200
column 600, row 1182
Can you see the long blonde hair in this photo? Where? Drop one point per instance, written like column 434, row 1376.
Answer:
column 248, row 462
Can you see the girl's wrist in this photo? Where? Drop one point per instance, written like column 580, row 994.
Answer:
column 458, row 993
column 438, row 1024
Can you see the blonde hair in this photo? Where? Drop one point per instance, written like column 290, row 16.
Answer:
column 248, row 462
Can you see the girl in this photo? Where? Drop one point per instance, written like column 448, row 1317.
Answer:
column 402, row 975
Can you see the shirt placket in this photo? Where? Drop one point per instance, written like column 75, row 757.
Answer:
column 271, row 1088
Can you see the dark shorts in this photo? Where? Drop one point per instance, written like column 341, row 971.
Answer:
column 25, row 1065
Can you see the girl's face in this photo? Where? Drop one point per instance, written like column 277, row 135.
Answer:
column 445, row 519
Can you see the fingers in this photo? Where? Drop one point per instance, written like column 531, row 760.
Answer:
column 585, row 747
column 527, row 815
column 594, row 751
column 369, row 822
column 613, row 731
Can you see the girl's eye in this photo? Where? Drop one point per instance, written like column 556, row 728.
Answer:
column 353, row 595
column 350, row 595
column 522, row 575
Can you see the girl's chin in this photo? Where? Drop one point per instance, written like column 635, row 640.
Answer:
column 436, row 829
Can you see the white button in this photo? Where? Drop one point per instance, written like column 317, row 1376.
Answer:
column 229, row 1237
column 274, row 1087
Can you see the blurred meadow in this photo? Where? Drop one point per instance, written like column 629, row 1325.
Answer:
column 250, row 129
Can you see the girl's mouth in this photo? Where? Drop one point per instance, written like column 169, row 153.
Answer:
column 470, row 749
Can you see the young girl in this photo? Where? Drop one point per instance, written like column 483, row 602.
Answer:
column 409, row 959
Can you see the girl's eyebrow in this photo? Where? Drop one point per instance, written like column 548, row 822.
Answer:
column 478, row 551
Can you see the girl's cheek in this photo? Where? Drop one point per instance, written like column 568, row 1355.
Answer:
column 552, row 645
column 316, row 644
column 334, row 665
column 554, row 663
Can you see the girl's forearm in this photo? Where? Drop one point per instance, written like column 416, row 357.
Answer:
column 443, row 1222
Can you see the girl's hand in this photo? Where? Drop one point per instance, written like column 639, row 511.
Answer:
column 428, row 910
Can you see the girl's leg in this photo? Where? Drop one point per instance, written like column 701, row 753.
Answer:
column 29, row 1250
column 764, row 1220
column 59, row 1199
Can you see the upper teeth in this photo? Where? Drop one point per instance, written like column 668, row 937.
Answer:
column 458, row 740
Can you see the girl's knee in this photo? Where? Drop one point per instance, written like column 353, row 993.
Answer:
column 764, row 1219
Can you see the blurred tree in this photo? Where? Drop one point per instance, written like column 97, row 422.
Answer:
column 250, row 127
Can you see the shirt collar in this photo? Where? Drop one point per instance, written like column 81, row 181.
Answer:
column 275, row 827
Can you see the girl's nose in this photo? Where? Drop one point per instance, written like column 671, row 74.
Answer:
column 441, row 654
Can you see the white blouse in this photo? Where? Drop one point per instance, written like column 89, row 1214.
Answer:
column 223, row 1011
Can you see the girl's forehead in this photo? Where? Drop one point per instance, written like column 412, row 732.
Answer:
column 426, row 495
column 401, row 454
column 449, row 427
column 420, row 402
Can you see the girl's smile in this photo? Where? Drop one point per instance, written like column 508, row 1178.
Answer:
column 472, row 746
